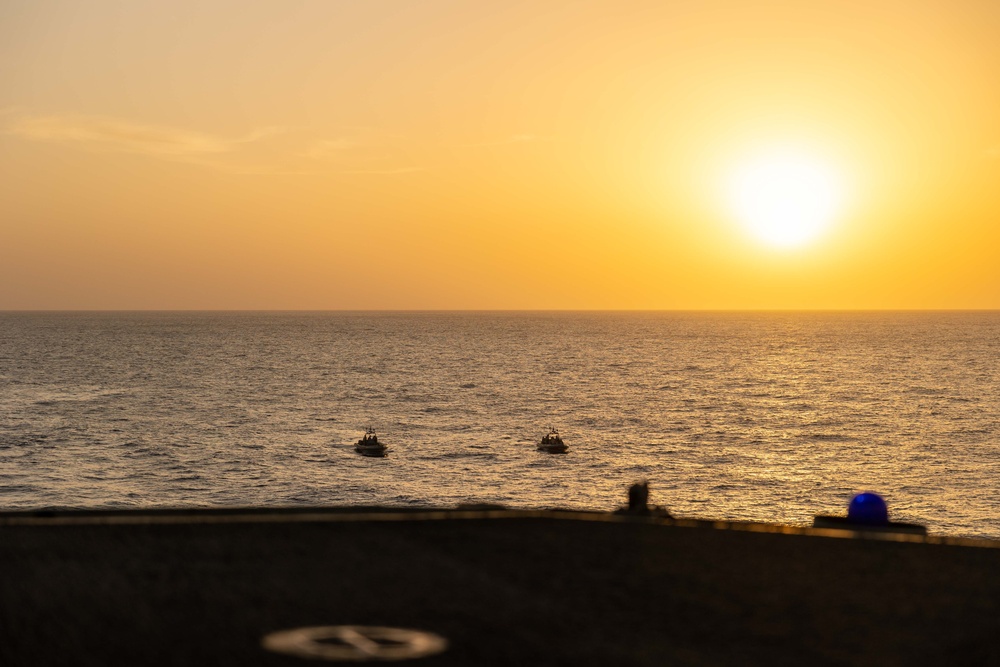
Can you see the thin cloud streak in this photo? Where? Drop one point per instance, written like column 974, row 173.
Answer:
column 232, row 155
column 124, row 136
column 401, row 170
column 512, row 139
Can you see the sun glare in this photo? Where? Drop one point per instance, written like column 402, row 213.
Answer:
column 785, row 198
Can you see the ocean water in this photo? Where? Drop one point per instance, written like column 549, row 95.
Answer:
column 748, row 416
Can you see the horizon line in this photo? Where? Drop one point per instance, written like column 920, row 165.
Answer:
column 500, row 310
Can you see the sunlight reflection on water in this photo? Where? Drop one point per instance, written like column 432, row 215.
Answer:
column 770, row 417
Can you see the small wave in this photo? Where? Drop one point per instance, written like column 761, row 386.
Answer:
column 408, row 500
column 830, row 437
column 17, row 488
column 728, row 487
column 927, row 391
column 24, row 441
column 466, row 455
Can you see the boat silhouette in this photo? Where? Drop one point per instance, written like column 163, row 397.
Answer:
column 552, row 443
column 369, row 445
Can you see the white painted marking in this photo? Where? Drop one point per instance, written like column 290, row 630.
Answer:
column 355, row 643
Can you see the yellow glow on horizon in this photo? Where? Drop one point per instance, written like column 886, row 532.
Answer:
column 710, row 155
column 785, row 198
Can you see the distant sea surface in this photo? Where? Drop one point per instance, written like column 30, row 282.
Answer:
column 762, row 416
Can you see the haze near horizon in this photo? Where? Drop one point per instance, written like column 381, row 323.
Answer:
column 465, row 155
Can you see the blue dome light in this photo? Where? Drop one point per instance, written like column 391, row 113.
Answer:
column 868, row 508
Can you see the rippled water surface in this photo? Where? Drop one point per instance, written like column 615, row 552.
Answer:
column 772, row 417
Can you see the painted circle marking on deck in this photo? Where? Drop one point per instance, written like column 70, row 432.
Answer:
column 354, row 643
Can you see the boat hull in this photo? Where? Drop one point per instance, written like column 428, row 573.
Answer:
column 553, row 449
column 376, row 452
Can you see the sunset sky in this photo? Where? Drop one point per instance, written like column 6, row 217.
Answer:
column 496, row 155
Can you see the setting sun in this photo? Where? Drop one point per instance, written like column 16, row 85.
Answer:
column 789, row 155
column 785, row 198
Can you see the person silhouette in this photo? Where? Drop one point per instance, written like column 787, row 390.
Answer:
column 638, row 496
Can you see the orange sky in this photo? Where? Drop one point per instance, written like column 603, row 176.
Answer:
column 508, row 155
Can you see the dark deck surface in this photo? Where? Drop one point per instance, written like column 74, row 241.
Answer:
column 202, row 588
